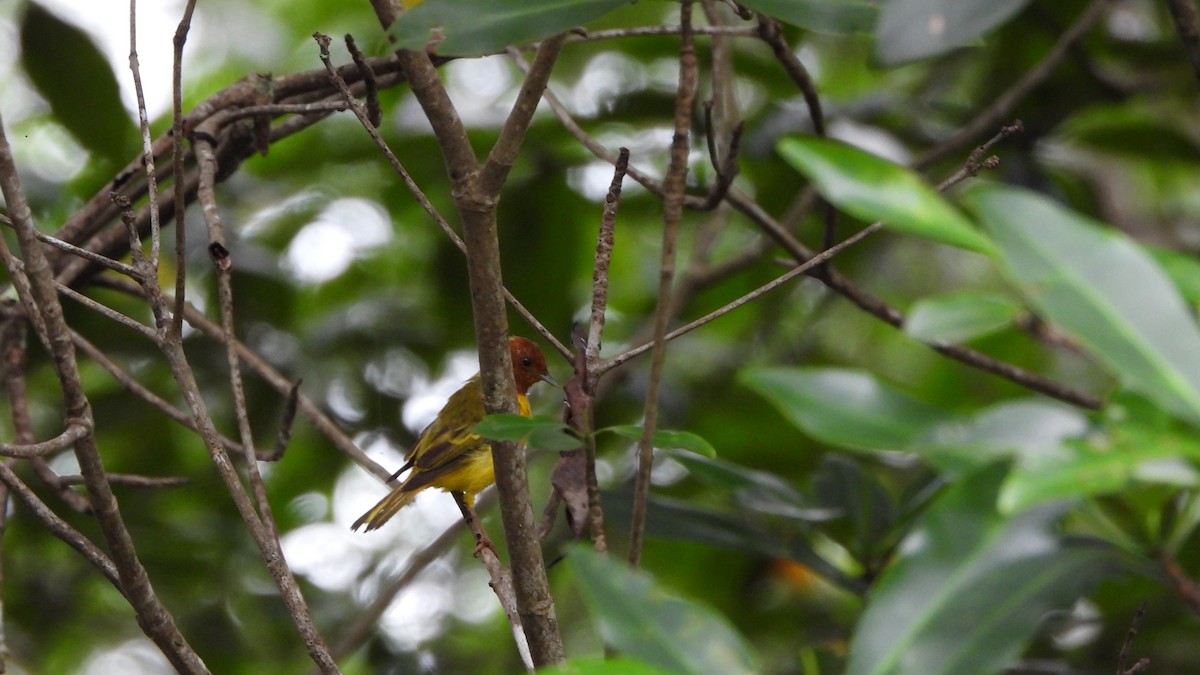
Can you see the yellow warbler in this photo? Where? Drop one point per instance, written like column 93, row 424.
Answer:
column 449, row 454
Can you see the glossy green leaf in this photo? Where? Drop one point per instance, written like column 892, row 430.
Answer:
column 644, row 622
column 845, row 407
column 1023, row 428
column 1106, row 463
column 71, row 73
column 823, row 16
column 959, row 317
column 971, row 586
column 666, row 438
column 476, row 27
column 543, row 433
column 871, row 188
column 916, row 29
column 1103, row 289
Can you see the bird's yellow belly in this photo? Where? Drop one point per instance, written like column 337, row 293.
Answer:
column 475, row 474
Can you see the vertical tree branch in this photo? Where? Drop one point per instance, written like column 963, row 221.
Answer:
column 477, row 208
column 177, row 183
column 673, row 188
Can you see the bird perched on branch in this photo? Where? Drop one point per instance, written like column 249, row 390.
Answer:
column 449, row 454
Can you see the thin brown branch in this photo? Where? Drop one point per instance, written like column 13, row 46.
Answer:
column 106, row 311
column 67, row 247
column 374, row 112
column 673, row 196
column 134, row 481
column 147, row 142
column 69, row 437
column 1141, row 664
column 285, row 426
column 177, row 159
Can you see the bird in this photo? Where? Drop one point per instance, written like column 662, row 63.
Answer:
column 449, row 454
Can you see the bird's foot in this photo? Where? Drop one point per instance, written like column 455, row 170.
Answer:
column 482, row 543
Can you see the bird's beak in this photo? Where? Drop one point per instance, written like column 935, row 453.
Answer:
column 548, row 379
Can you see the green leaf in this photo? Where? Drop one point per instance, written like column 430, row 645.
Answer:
column 477, row 27
column 848, row 408
column 1104, row 464
column 959, row 317
column 1023, row 428
column 823, row 16
column 665, row 438
column 642, row 621
column 916, row 29
column 871, row 188
column 544, row 433
column 73, row 75
column 971, row 586
column 1103, row 289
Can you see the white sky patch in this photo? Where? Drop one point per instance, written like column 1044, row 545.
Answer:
column 226, row 30
column 324, row 249
column 138, row 656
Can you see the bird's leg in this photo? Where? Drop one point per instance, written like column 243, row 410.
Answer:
column 473, row 523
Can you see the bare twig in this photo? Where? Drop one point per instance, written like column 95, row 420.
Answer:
column 130, row 480
column 1141, row 664
column 71, row 435
column 285, row 426
column 673, row 189
column 177, row 156
column 147, row 143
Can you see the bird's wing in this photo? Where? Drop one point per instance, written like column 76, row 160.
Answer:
column 449, row 440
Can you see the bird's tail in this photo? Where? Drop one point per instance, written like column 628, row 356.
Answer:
column 385, row 509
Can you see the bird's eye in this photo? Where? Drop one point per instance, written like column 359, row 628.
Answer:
column 526, row 361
